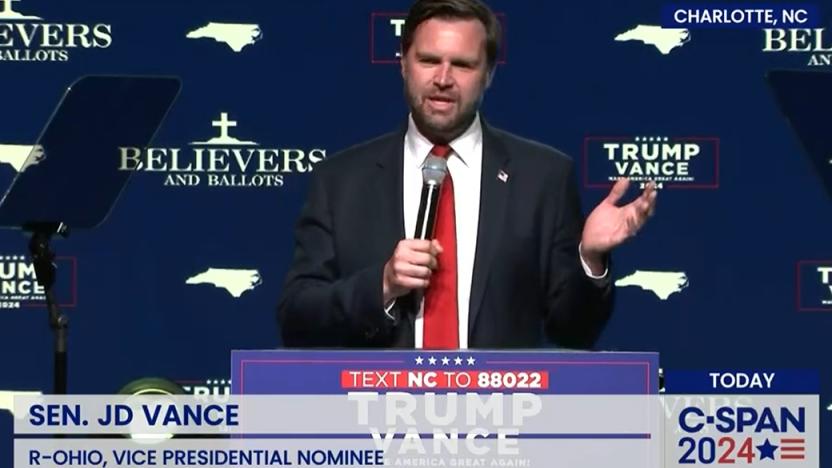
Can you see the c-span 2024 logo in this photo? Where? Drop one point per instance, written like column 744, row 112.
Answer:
column 760, row 418
column 742, row 434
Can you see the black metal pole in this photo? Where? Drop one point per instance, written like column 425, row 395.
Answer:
column 60, row 325
column 43, row 260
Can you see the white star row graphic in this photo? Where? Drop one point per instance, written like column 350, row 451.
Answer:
column 656, row 139
column 446, row 361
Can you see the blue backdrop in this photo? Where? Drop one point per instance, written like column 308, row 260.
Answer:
column 744, row 234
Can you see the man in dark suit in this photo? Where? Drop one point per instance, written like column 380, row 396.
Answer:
column 512, row 263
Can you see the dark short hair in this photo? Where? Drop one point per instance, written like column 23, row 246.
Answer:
column 424, row 10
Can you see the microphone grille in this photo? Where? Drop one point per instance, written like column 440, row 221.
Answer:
column 434, row 170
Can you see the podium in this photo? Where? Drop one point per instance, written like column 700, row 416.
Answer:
column 454, row 408
column 285, row 372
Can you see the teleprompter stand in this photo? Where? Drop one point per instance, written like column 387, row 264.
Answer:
column 43, row 260
column 72, row 176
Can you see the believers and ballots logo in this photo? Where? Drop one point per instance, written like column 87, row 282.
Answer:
column 28, row 37
column 814, row 285
column 763, row 418
column 671, row 162
column 386, row 34
column 222, row 160
column 810, row 47
column 19, row 287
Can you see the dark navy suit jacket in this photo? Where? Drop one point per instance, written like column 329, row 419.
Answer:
column 528, row 287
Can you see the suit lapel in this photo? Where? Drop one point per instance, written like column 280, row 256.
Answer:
column 389, row 187
column 390, row 230
column 494, row 192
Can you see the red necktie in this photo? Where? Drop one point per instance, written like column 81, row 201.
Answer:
column 441, row 325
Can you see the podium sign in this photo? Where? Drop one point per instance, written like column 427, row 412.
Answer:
column 543, row 372
column 460, row 408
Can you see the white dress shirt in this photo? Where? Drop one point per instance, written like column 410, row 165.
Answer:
column 465, row 167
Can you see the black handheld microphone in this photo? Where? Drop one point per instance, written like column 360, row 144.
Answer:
column 433, row 173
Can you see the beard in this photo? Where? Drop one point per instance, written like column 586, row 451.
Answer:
column 440, row 127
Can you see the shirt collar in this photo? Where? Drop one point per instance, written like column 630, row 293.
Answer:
column 464, row 146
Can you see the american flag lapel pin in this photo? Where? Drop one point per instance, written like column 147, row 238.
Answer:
column 502, row 176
